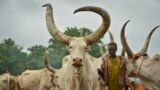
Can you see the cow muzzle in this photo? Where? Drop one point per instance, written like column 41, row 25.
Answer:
column 77, row 62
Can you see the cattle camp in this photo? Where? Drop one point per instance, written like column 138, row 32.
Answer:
column 79, row 45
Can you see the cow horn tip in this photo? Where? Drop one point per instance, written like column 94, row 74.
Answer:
column 128, row 20
column 45, row 5
column 75, row 11
column 158, row 26
column 78, row 10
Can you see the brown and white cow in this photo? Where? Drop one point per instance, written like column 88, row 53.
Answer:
column 9, row 82
column 147, row 70
column 79, row 73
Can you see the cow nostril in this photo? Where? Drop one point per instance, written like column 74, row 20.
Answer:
column 80, row 60
column 74, row 59
column 77, row 59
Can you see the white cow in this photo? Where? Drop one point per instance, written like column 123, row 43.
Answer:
column 79, row 73
column 64, row 62
column 41, row 79
column 147, row 70
column 9, row 82
column 35, row 80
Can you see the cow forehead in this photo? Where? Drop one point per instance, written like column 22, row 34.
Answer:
column 78, row 42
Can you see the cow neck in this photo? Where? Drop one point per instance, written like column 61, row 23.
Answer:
column 77, row 72
column 137, row 72
column 140, row 68
column 76, row 77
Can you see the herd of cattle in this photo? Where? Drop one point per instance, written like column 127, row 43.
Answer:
column 79, row 69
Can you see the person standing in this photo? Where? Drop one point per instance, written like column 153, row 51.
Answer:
column 113, row 69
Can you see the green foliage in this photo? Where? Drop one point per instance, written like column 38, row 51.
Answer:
column 57, row 51
column 35, row 57
column 77, row 32
column 11, row 57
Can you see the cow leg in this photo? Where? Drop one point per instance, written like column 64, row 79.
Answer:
column 70, row 85
column 77, row 84
column 90, row 86
column 44, row 87
column 101, row 85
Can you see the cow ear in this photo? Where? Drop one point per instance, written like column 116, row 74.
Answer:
column 136, row 56
column 89, row 47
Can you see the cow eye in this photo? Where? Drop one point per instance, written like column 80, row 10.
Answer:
column 85, row 48
column 70, row 47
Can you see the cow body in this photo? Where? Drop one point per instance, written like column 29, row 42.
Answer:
column 147, row 70
column 9, row 82
column 4, row 81
column 87, row 76
column 36, row 80
column 95, row 64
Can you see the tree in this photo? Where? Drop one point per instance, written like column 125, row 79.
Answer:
column 11, row 57
column 57, row 51
column 35, row 57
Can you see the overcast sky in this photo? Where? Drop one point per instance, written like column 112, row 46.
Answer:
column 24, row 20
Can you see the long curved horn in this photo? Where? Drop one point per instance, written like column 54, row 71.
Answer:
column 7, row 71
column 111, row 37
column 53, row 30
column 81, row 32
column 123, row 52
column 103, row 28
column 146, row 43
column 46, row 62
column 25, row 67
column 124, row 42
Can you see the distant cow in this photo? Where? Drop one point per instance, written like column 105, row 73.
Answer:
column 35, row 79
column 4, row 81
column 41, row 79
